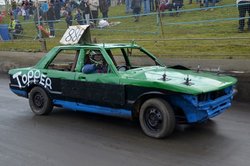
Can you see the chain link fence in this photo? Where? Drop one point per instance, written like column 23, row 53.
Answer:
column 191, row 30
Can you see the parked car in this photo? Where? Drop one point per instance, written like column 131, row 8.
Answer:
column 109, row 79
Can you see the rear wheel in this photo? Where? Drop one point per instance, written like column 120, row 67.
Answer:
column 157, row 118
column 39, row 101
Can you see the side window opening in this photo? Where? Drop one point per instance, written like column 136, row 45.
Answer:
column 94, row 62
column 65, row 60
column 118, row 56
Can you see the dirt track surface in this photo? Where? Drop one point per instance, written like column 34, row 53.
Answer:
column 23, row 59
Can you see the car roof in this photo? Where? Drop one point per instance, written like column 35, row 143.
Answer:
column 102, row 45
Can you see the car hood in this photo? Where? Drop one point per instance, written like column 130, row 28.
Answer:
column 176, row 80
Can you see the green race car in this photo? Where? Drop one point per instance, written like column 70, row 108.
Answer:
column 109, row 79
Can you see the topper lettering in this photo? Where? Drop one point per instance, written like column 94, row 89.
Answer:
column 33, row 76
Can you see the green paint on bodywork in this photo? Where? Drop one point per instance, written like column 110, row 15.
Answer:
column 200, row 82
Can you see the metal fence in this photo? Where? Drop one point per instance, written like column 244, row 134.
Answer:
column 189, row 30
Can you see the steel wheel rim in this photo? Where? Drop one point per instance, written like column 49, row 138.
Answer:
column 38, row 100
column 153, row 118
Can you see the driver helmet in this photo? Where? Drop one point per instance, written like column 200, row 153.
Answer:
column 96, row 57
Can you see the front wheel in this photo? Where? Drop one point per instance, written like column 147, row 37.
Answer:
column 39, row 101
column 157, row 118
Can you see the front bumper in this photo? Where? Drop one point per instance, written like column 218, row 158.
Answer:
column 198, row 111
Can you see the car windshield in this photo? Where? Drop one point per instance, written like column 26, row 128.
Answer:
column 131, row 58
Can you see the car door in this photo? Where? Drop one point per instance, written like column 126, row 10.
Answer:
column 61, row 71
column 100, row 88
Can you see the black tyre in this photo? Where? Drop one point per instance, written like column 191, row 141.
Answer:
column 157, row 118
column 39, row 101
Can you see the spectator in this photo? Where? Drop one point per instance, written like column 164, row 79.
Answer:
column 73, row 4
column 206, row 2
column 69, row 19
column 165, row 4
column 243, row 7
column 177, row 4
column 104, row 8
column 68, row 8
column 146, row 6
column 31, row 8
column 27, row 8
column 15, row 28
column 57, row 8
column 78, row 17
column 128, row 6
column 14, row 9
column 45, row 8
column 63, row 12
column 152, row 5
column 12, row 26
column 23, row 13
column 84, row 6
column 157, row 3
column 51, row 19
column 136, row 6
column 93, row 6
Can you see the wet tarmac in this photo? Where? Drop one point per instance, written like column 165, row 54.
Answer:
column 74, row 138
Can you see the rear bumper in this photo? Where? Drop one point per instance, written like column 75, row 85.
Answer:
column 18, row 91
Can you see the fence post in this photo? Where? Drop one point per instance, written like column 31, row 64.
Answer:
column 160, row 22
column 43, row 44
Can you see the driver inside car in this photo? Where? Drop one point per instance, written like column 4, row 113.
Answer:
column 95, row 64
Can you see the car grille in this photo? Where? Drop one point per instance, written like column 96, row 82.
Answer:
column 211, row 95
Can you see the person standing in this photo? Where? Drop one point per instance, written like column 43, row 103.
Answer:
column 26, row 6
column 78, row 16
column 136, row 6
column 128, row 6
column 45, row 8
column 206, row 2
column 146, row 6
column 57, row 7
column 11, row 27
column 51, row 19
column 69, row 19
column 14, row 9
column 243, row 7
column 104, row 8
column 84, row 6
column 93, row 6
